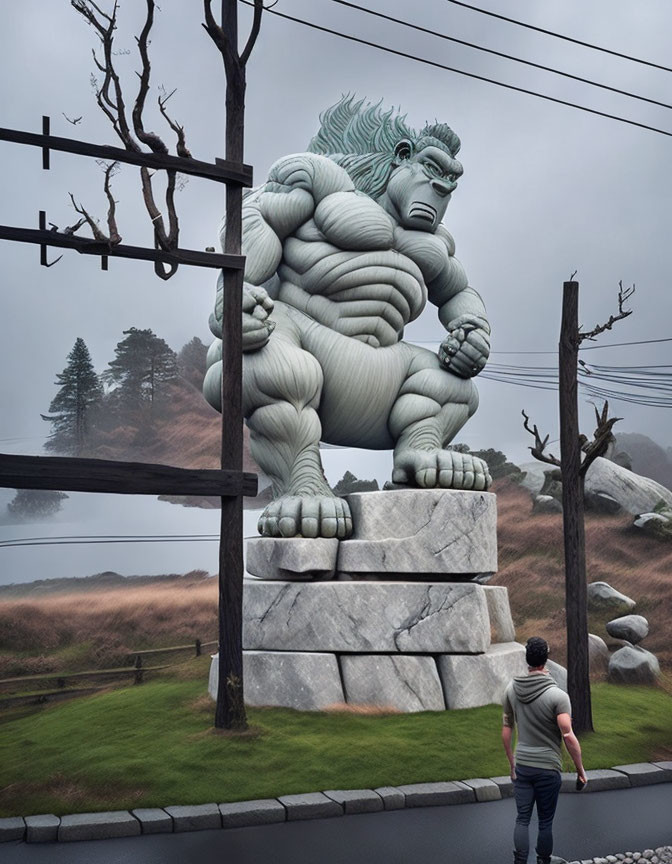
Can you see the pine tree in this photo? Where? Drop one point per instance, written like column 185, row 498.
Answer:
column 191, row 362
column 80, row 391
column 142, row 365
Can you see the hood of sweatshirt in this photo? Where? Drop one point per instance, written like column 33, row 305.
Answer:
column 528, row 687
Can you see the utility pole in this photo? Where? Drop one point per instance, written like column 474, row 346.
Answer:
column 576, row 598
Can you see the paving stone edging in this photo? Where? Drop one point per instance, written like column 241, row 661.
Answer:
column 312, row 805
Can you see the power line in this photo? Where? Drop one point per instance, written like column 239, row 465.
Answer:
column 501, row 54
column 560, row 36
column 437, row 65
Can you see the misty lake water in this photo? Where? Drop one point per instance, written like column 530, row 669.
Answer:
column 91, row 517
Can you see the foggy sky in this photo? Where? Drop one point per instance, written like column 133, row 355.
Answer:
column 547, row 190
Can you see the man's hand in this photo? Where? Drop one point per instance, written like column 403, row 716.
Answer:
column 466, row 347
column 513, row 773
column 257, row 326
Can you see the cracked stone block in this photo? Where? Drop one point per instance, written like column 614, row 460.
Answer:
column 437, row 794
column 292, row 558
column 365, row 617
column 600, row 779
column 393, row 798
column 356, row 800
column 666, row 767
column 486, row 790
column 402, row 682
column 12, row 828
column 304, row 681
column 505, row 785
column 310, row 805
column 153, row 820
column 241, row 814
column 501, row 622
column 98, row 826
column 42, row 828
column 195, row 817
column 643, row 773
column 472, row 680
column 421, row 531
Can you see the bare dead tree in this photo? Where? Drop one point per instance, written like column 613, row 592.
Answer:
column 133, row 134
column 577, row 455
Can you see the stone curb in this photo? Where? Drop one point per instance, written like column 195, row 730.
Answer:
column 311, row 805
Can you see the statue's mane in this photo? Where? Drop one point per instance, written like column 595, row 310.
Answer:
column 361, row 138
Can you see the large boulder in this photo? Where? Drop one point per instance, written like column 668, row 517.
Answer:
column 635, row 494
column 632, row 628
column 633, row 665
column 607, row 601
column 598, row 654
column 546, row 504
column 558, row 673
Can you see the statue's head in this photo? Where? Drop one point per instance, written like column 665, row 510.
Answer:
column 411, row 174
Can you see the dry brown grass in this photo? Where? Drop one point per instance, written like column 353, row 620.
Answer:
column 531, row 566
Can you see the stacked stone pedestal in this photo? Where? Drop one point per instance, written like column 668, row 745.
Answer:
column 396, row 617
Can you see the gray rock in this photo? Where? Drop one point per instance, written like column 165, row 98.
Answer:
column 505, row 785
column 501, row 622
column 657, row 525
column 558, row 673
column 546, row 504
column 425, row 531
column 632, row 628
column 404, row 617
column 643, row 773
column 304, row 681
column 98, row 826
column 634, row 493
column 601, row 779
column 195, row 817
column 472, row 680
column 599, row 502
column 42, row 828
column 356, row 800
column 241, row 814
column 292, row 558
column 607, row 601
column 392, row 798
column 437, row 794
column 153, row 820
column 12, row 828
column 598, row 654
column 402, row 682
column 486, row 790
column 666, row 767
column 633, row 665
column 311, row 805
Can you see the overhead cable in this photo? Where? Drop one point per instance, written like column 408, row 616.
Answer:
column 502, row 54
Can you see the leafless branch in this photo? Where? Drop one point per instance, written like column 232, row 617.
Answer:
column 115, row 237
column 539, row 445
column 93, row 225
column 233, row 62
column 254, row 31
column 602, row 438
column 151, row 139
column 624, row 294
column 181, row 148
column 74, row 122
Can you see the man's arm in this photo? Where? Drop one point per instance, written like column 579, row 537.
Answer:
column 507, row 738
column 572, row 744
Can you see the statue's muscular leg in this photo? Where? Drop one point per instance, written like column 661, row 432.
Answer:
column 431, row 408
column 282, row 385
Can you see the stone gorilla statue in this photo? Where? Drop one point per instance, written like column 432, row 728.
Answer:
column 344, row 247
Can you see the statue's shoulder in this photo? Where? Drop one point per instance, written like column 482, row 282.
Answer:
column 316, row 174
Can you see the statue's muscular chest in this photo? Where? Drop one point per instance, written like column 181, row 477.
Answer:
column 350, row 226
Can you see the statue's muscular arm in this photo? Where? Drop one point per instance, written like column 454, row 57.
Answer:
column 271, row 213
column 466, row 347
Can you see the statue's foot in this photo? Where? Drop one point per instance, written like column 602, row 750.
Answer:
column 306, row 516
column 440, row 469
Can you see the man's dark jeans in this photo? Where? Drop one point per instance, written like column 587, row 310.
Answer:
column 541, row 787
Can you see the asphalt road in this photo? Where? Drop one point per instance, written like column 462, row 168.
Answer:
column 586, row 826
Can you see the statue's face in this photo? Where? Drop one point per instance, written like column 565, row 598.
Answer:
column 420, row 187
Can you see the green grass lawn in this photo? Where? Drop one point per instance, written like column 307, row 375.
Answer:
column 154, row 745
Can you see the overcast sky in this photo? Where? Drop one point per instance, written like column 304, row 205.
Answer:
column 547, row 190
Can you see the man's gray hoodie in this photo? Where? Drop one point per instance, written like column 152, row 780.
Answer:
column 532, row 702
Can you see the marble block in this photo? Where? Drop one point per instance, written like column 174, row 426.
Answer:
column 501, row 622
column 421, row 531
column 402, row 682
column 366, row 617
column 289, row 558
column 306, row 682
column 470, row 681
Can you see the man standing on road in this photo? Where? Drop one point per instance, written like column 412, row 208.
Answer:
column 542, row 712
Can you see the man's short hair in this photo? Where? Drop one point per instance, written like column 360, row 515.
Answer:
column 536, row 652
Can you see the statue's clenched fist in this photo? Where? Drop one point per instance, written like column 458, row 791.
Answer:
column 466, row 347
column 257, row 326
